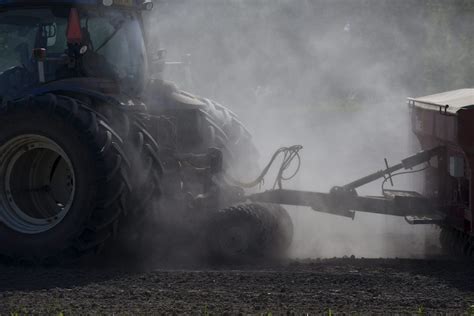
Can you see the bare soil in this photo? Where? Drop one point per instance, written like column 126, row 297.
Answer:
column 309, row 286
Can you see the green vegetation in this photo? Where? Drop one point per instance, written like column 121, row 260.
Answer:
column 420, row 311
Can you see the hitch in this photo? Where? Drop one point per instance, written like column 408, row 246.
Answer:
column 407, row 163
column 344, row 200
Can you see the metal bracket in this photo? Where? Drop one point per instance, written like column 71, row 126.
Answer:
column 443, row 110
column 414, row 220
column 388, row 174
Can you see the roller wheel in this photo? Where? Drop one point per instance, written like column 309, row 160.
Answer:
column 247, row 232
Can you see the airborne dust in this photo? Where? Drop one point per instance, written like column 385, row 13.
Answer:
column 332, row 76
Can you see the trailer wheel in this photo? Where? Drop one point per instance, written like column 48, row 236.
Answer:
column 455, row 242
column 249, row 232
column 63, row 179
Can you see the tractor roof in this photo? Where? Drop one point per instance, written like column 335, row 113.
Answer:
column 137, row 4
column 451, row 101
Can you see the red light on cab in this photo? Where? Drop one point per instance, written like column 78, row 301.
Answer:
column 74, row 33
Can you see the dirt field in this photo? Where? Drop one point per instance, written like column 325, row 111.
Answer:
column 317, row 286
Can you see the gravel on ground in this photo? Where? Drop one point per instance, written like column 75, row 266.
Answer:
column 327, row 286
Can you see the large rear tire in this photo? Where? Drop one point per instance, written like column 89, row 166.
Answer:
column 140, row 221
column 64, row 179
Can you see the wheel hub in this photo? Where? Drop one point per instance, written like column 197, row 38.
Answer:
column 38, row 184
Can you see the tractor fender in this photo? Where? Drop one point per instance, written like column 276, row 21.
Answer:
column 222, row 127
column 167, row 96
column 98, row 89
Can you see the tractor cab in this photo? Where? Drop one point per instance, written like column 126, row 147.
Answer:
column 42, row 43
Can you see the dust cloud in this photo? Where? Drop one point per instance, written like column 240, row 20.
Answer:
column 329, row 75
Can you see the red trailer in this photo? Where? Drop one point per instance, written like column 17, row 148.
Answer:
column 447, row 119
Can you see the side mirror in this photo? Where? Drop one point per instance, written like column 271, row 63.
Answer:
column 161, row 54
column 178, row 68
column 158, row 63
column 49, row 30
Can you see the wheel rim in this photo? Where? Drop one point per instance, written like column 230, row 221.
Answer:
column 38, row 184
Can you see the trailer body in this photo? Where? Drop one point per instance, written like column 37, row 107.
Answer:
column 447, row 119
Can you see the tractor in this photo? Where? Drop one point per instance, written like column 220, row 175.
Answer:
column 97, row 151
column 94, row 146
